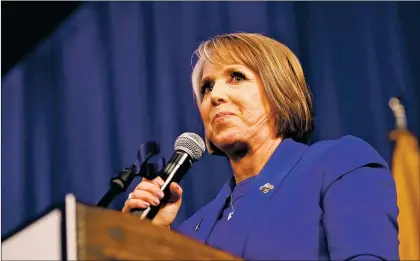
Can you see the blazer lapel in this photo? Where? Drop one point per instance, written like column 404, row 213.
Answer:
column 212, row 212
column 285, row 157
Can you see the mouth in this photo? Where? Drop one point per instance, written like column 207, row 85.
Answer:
column 222, row 115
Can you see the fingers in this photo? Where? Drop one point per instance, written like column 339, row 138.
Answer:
column 151, row 189
column 147, row 193
column 158, row 181
column 134, row 204
column 140, row 199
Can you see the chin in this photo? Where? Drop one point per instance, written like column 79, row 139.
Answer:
column 227, row 138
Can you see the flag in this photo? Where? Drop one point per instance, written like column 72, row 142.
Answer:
column 406, row 173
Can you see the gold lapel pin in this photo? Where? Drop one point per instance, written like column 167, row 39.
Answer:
column 266, row 188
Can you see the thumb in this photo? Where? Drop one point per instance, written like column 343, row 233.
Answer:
column 176, row 192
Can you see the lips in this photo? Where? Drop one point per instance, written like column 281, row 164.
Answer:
column 221, row 115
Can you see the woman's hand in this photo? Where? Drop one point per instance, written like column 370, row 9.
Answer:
column 149, row 193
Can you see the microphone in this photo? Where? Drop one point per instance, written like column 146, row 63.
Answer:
column 189, row 148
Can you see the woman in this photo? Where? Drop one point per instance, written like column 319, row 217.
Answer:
column 333, row 200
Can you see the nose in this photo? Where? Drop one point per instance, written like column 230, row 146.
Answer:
column 218, row 93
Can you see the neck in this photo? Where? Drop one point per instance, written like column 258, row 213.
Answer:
column 250, row 163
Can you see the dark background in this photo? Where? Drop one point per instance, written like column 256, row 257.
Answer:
column 26, row 24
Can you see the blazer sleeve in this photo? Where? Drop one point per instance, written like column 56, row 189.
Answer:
column 359, row 203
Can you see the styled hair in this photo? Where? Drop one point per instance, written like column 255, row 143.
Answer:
column 279, row 70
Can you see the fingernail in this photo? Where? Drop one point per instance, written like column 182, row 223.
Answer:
column 156, row 201
column 160, row 194
column 146, row 204
column 160, row 182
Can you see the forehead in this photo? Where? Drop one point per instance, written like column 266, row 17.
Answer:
column 209, row 69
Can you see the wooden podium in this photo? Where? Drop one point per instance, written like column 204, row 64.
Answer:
column 75, row 231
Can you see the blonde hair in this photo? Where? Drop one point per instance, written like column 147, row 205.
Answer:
column 279, row 70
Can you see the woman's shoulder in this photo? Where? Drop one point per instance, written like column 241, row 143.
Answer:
column 347, row 150
column 339, row 157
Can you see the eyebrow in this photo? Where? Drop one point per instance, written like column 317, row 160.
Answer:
column 227, row 70
column 206, row 79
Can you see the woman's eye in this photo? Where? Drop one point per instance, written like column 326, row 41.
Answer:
column 205, row 88
column 237, row 76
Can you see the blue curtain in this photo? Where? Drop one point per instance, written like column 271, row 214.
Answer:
column 117, row 74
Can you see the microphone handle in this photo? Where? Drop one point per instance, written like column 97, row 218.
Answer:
column 173, row 172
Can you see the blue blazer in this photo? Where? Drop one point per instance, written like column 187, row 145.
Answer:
column 333, row 200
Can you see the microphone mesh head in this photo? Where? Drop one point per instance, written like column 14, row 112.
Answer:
column 192, row 144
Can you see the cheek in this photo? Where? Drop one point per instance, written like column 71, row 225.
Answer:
column 253, row 114
column 205, row 114
column 252, row 105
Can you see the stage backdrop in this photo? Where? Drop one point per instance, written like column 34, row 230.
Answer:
column 118, row 74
